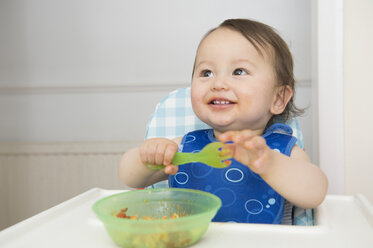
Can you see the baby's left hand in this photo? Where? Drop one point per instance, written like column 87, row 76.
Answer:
column 249, row 149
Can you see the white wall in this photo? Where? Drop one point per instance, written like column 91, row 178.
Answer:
column 344, row 85
column 329, row 92
column 94, row 70
column 358, row 104
column 55, row 43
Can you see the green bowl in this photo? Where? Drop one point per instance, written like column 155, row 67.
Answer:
column 195, row 208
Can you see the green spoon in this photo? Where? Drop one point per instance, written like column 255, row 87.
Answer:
column 212, row 155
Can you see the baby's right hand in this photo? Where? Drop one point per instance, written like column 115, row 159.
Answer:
column 159, row 151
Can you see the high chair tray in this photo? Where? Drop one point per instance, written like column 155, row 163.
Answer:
column 342, row 221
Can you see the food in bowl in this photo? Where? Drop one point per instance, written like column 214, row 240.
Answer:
column 122, row 214
column 150, row 228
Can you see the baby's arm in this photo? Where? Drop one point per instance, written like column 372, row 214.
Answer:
column 295, row 177
column 132, row 167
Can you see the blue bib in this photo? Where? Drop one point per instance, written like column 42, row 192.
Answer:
column 246, row 197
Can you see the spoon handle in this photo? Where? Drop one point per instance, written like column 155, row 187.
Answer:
column 178, row 159
column 184, row 157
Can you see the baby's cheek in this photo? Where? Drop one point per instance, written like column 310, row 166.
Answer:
column 246, row 102
column 195, row 97
column 197, row 103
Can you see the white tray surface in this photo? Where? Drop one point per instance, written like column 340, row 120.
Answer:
column 343, row 221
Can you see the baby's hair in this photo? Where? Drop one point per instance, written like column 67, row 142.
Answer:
column 265, row 39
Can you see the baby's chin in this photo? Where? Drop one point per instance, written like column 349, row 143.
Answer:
column 222, row 126
column 219, row 129
column 222, row 129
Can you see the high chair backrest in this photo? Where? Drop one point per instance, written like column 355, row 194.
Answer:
column 173, row 117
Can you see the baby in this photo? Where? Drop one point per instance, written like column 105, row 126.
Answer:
column 242, row 83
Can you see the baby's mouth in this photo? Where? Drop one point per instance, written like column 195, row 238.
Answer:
column 220, row 102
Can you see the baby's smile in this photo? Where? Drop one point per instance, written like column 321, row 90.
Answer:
column 220, row 103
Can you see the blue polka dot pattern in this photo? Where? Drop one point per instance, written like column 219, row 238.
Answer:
column 245, row 196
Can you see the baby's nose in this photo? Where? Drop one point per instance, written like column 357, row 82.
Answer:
column 220, row 83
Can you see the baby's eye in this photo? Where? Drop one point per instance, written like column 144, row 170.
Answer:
column 207, row 73
column 239, row 72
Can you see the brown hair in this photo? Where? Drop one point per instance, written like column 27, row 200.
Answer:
column 265, row 39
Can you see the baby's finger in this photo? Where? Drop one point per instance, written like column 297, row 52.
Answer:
column 147, row 152
column 142, row 150
column 171, row 169
column 169, row 154
column 227, row 136
column 159, row 154
column 256, row 142
column 259, row 163
column 243, row 136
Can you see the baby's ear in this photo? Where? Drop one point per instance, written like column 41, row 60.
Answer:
column 281, row 99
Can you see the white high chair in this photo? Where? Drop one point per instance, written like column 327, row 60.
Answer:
column 173, row 117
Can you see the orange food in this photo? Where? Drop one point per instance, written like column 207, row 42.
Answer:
column 174, row 216
column 122, row 214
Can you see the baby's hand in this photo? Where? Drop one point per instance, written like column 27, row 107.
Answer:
column 249, row 149
column 159, row 151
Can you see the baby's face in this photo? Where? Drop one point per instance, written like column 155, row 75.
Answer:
column 233, row 86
